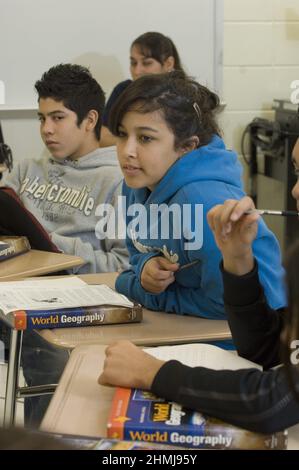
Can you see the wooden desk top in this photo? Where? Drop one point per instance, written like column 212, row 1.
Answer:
column 81, row 406
column 156, row 328
column 36, row 263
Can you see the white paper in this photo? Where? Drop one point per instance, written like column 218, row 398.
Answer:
column 52, row 294
column 204, row 355
column 43, row 283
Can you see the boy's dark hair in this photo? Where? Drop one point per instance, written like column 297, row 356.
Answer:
column 76, row 88
column 159, row 47
column 187, row 106
column 291, row 331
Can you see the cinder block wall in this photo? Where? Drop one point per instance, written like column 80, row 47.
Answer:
column 261, row 59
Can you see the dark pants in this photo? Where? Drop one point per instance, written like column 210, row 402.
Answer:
column 42, row 364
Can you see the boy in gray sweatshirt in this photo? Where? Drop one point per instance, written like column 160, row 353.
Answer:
column 64, row 192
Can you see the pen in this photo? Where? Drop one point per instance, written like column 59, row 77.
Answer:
column 270, row 212
column 188, row 265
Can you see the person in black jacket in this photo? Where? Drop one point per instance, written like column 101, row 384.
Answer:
column 265, row 401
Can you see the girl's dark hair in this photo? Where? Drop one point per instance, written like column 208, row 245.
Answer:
column 188, row 107
column 76, row 88
column 290, row 341
column 158, row 47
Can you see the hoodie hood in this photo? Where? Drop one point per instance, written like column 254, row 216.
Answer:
column 95, row 159
column 211, row 162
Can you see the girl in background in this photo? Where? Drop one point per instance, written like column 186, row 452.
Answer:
column 150, row 53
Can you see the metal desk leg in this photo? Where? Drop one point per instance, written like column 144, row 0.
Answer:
column 12, row 377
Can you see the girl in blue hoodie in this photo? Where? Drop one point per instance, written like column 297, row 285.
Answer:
column 176, row 168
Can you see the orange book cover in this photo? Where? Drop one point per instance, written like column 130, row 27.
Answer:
column 20, row 318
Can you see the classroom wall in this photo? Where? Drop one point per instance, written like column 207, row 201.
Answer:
column 261, row 59
column 36, row 34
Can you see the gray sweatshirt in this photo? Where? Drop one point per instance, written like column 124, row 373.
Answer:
column 65, row 195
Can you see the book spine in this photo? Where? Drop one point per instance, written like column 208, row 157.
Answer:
column 240, row 440
column 13, row 246
column 81, row 316
column 7, row 251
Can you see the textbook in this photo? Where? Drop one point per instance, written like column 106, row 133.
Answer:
column 13, row 246
column 41, row 303
column 70, row 317
column 141, row 416
column 104, row 443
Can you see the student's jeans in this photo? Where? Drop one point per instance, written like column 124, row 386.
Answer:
column 42, row 364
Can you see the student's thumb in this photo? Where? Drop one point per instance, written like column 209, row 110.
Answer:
column 166, row 265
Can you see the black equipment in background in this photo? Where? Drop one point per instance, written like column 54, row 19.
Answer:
column 271, row 173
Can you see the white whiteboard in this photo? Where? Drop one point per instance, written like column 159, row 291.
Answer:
column 36, row 34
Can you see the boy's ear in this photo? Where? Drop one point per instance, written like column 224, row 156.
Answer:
column 190, row 144
column 91, row 119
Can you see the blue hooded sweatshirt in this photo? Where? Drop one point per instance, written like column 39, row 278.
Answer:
column 196, row 182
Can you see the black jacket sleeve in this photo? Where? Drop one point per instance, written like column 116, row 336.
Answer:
column 255, row 327
column 256, row 400
column 249, row 398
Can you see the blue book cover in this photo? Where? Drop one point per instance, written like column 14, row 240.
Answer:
column 139, row 415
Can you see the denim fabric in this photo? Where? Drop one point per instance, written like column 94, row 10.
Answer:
column 42, row 364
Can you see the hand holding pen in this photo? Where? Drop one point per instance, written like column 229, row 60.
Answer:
column 234, row 225
column 157, row 274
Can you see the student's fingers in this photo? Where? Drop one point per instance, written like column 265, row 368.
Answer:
column 116, row 352
column 115, row 345
column 211, row 216
column 156, row 268
column 221, row 218
column 166, row 265
column 156, row 286
column 245, row 204
column 154, row 277
column 133, row 368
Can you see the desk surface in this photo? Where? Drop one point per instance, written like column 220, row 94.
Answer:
column 156, row 328
column 80, row 406
column 36, row 263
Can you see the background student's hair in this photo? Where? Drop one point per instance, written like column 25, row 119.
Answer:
column 291, row 331
column 188, row 107
column 158, row 47
column 76, row 88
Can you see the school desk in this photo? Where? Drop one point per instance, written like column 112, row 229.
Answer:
column 32, row 263
column 157, row 328
column 36, row 263
column 81, row 407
